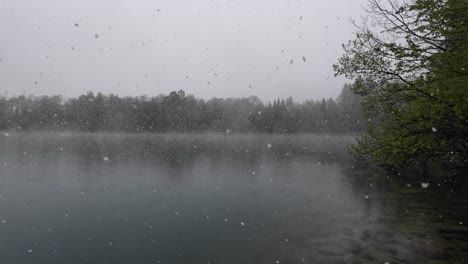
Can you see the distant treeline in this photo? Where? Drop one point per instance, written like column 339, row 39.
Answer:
column 178, row 112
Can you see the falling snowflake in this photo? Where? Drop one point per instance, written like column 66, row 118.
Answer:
column 424, row 185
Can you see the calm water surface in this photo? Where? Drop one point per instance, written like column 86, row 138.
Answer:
column 141, row 198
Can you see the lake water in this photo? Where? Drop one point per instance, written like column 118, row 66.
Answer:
column 142, row 198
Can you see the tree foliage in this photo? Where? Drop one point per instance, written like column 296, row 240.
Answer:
column 180, row 113
column 410, row 61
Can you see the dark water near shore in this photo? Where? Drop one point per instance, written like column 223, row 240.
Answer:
column 141, row 198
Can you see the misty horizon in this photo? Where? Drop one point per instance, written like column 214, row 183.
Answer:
column 233, row 131
column 5, row 94
column 149, row 48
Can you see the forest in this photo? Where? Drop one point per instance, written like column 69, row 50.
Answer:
column 181, row 113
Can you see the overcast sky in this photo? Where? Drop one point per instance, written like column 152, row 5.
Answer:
column 209, row 48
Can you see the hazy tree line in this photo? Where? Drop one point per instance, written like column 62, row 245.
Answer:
column 178, row 112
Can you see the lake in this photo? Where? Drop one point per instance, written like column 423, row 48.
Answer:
column 215, row 198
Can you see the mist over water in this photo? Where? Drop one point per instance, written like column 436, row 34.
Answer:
column 233, row 132
column 211, row 198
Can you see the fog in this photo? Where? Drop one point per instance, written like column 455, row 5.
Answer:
column 212, row 198
column 272, row 49
column 210, row 131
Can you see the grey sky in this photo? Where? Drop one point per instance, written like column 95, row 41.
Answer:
column 209, row 48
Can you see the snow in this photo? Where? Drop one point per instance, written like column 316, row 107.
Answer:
column 424, row 185
column 434, row 129
column 106, row 158
column 242, row 223
column 6, row 134
column 269, row 145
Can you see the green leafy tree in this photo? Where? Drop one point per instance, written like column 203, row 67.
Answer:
column 410, row 61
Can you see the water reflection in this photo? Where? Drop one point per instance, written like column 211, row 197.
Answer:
column 406, row 222
column 141, row 198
